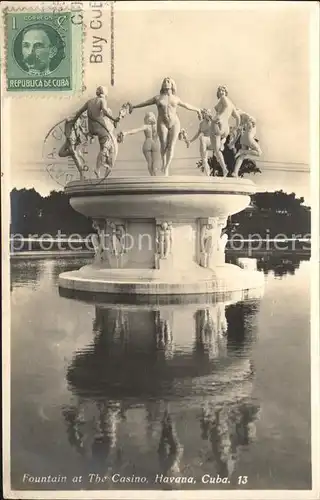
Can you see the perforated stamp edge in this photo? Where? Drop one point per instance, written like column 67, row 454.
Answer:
column 38, row 8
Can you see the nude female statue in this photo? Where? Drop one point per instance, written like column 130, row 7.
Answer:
column 204, row 133
column 206, row 238
column 168, row 124
column 101, row 124
column 164, row 239
column 150, row 147
column 250, row 148
column 220, row 124
column 98, row 239
column 117, row 234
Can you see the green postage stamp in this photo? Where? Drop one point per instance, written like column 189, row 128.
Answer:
column 43, row 51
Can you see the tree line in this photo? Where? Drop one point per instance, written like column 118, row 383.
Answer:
column 273, row 213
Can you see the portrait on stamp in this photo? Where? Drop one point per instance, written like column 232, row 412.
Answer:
column 38, row 49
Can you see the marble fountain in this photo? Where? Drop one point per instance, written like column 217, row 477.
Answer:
column 159, row 234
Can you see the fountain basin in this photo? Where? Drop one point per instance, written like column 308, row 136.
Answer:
column 166, row 197
column 160, row 235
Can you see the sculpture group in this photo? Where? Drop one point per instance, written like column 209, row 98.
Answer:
column 162, row 132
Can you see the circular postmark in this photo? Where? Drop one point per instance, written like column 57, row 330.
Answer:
column 74, row 150
column 71, row 154
column 38, row 49
column 56, row 152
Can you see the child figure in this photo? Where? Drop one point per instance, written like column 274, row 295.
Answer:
column 203, row 133
column 250, row 148
column 151, row 146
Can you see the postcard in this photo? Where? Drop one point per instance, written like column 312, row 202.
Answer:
column 160, row 249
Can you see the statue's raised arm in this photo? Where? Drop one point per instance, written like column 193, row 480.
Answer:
column 236, row 115
column 148, row 102
column 80, row 112
column 189, row 107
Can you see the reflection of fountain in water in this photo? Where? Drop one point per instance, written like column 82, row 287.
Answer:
column 163, row 334
column 211, row 331
column 151, row 358
column 96, row 443
column 227, row 427
column 150, row 351
column 153, row 408
column 170, row 450
column 105, row 439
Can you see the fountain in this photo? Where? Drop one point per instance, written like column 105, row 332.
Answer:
column 157, row 234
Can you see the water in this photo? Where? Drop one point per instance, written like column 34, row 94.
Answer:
column 218, row 389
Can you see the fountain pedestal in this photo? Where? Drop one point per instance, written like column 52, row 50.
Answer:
column 160, row 235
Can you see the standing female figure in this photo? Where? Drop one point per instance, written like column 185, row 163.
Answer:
column 168, row 123
column 150, row 147
column 220, row 127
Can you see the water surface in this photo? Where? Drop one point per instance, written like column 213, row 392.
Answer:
column 214, row 389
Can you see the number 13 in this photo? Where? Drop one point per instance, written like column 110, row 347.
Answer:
column 242, row 479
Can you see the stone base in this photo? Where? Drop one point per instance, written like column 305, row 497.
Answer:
column 158, row 236
column 222, row 279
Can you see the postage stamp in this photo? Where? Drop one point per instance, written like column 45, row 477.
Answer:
column 43, row 52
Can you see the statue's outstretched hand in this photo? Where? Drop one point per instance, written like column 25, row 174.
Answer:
column 200, row 115
column 115, row 122
column 120, row 137
column 130, row 107
column 124, row 110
